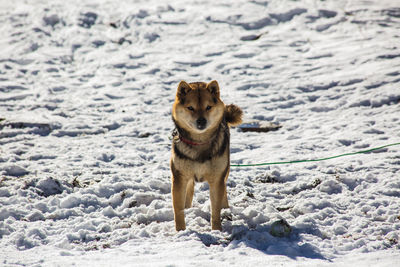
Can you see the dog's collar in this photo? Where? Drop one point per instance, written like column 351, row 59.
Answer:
column 176, row 134
column 189, row 142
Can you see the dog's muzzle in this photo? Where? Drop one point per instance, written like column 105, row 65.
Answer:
column 201, row 123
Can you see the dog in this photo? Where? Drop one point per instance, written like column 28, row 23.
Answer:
column 200, row 147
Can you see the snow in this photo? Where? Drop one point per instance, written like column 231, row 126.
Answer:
column 86, row 90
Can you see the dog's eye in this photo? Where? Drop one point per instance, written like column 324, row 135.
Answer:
column 190, row 108
column 208, row 107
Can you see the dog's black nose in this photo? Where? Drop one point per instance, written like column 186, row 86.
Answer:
column 201, row 123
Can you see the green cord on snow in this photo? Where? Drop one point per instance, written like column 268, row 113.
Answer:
column 314, row 160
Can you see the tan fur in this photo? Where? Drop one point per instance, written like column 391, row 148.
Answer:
column 200, row 149
column 233, row 115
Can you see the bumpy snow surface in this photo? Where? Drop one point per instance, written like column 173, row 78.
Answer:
column 86, row 90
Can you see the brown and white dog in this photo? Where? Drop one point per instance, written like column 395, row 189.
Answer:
column 200, row 148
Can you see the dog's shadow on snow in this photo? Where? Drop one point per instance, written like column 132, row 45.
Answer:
column 260, row 239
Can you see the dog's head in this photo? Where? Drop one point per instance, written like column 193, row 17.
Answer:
column 198, row 106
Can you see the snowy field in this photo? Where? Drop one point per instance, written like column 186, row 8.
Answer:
column 86, row 90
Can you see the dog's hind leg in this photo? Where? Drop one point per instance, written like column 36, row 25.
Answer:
column 216, row 196
column 189, row 194
column 225, row 204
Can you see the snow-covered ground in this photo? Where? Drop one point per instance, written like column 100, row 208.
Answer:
column 86, row 89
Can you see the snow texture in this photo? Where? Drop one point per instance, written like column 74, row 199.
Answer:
column 86, row 89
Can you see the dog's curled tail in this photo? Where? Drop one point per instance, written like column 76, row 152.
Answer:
column 233, row 115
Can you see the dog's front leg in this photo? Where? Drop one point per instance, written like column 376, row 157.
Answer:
column 217, row 192
column 178, row 201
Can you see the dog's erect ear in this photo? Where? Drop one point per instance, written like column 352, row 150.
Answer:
column 183, row 89
column 213, row 87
